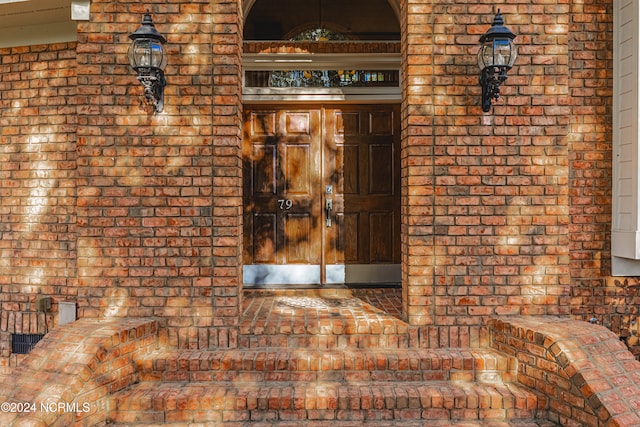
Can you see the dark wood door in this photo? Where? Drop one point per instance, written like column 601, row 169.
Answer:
column 321, row 189
column 282, row 211
column 362, row 164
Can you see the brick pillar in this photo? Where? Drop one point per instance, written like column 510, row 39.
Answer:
column 417, row 163
column 158, row 195
column 485, row 195
column 227, row 169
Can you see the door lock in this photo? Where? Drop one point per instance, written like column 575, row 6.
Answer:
column 328, row 205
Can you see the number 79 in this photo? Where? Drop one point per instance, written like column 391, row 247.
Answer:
column 285, row 204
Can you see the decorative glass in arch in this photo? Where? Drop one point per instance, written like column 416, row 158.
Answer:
column 322, row 78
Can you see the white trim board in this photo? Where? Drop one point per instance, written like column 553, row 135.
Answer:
column 625, row 215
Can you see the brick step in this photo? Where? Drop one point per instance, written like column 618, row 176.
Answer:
column 335, row 423
column 281, row 402
column 332, row 334
column 326, row 341
column 481, row 365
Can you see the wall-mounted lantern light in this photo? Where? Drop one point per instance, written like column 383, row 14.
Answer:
column 147, row 57
column 496, row 57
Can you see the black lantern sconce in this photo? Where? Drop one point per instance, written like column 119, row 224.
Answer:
column 148, row 58
column 496, row 57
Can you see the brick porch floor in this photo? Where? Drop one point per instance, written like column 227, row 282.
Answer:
column 325, row 318
column 385, row 299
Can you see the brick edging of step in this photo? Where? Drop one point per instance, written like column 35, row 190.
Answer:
column 197, row 402
column 484, row 365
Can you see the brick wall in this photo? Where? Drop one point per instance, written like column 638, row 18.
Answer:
column 417, row 164
column 37, row 195
column 485, row 195
column 503, row 213
column 159, row 196
column 227, row 164
column 591, row 84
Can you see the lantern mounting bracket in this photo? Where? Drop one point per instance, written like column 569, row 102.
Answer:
column 490, row 80
column 153, row 82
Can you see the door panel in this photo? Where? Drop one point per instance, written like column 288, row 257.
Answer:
column 348, row 179
column 264, row 231
column 299, row 238
column 264, row 170
column 299, row 158
column 348, row 247
column 298, row 176
column 381, row 169
column 381, row 225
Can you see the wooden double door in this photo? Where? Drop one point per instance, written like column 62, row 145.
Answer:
column 321, row 194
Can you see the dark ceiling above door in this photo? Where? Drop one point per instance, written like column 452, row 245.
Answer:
column 356, row 19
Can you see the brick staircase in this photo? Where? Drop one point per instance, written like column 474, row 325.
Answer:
column 310, row 360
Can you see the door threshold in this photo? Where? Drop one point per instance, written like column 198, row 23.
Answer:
column 389, row 285
column 307, row 276
column 262, row 286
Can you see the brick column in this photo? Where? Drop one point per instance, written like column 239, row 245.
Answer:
column 158, row 195
column 485, row 195
column 417, row 162
column 227, row 169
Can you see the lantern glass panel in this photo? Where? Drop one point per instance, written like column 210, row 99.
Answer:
column 496, row 53
column 147, row 53
column 501, row 52
column 485, row 55
column 513, row 54
column 158, row 58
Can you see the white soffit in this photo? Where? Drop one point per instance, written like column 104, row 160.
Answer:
column 31, row 22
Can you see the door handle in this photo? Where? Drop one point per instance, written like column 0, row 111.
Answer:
column 328, row 206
